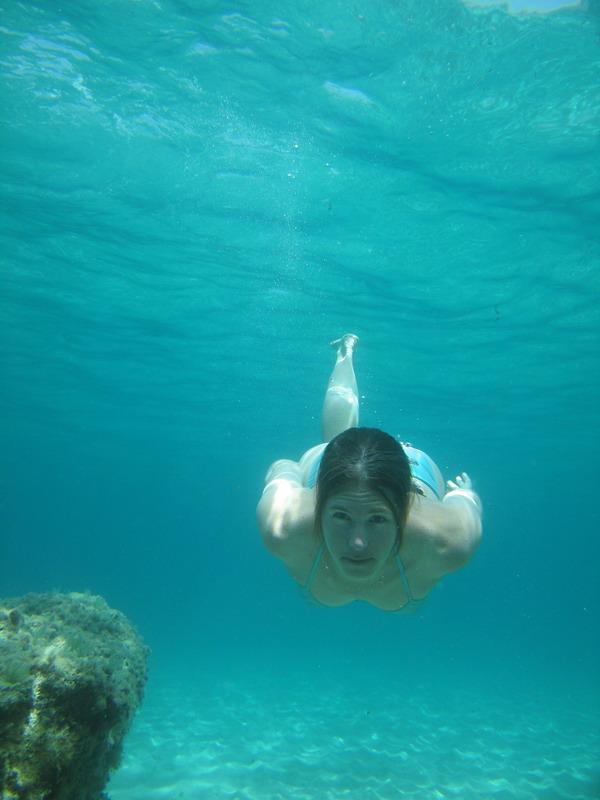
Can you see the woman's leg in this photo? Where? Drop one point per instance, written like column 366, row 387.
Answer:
column 340, row 409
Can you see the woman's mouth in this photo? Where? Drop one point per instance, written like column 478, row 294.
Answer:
column 357, row 561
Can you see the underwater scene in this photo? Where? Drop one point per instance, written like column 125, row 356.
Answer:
column 198, row 197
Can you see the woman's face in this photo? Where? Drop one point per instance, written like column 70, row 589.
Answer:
column 360, row 531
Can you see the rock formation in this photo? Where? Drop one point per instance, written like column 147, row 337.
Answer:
column 72, row 673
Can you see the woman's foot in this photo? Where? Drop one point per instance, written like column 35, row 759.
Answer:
column 345, row 345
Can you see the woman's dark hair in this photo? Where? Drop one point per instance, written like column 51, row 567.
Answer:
column 373, row 458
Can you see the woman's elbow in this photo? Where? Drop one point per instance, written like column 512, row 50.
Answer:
column 272, row 531
column 461, row 550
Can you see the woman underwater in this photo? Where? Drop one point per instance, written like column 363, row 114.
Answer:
column 363, row 517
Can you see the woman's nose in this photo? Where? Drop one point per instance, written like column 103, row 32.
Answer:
column 358, row 541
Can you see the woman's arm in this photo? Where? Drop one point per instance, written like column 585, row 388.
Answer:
column 286, row 508
column 451, row 528
column 464, row 519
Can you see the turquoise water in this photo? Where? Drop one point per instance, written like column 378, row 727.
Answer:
column 196, row 198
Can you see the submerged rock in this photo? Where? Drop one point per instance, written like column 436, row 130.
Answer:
column 72, row 673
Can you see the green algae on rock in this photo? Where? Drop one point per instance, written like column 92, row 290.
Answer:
column 72, row 673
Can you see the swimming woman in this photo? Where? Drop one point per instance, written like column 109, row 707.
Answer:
column 362, row 516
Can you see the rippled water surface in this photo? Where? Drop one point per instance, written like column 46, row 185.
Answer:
column 196, row 198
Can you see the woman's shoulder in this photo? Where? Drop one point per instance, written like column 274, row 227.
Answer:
column 425, row 526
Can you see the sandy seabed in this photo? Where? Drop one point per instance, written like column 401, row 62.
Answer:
column 265, row 739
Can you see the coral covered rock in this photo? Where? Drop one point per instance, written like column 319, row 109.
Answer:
column 72, row 673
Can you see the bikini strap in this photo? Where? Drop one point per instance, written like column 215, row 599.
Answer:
column 404, row 578
column 314, row 567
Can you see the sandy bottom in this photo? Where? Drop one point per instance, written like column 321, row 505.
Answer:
column 345, row 737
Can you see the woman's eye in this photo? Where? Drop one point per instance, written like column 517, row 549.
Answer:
column 340, row 516
column 378, row 519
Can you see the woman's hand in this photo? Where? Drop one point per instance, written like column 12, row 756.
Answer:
column 461, row 481
column 462, row 486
